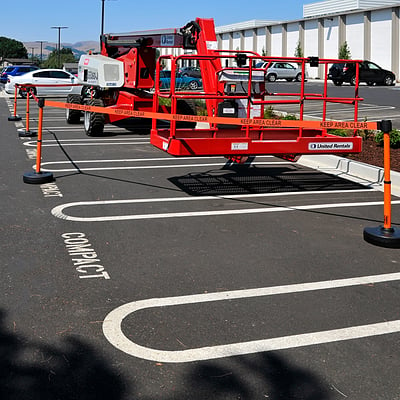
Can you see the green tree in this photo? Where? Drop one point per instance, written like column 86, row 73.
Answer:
column 298, row 52
column 264, row 52
column 344, row 52
column 57, row 59
column 10, row 48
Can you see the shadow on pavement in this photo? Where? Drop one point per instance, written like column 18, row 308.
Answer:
column 37, row 371
column 75, row 370
column 255, row 377
column 242, row 180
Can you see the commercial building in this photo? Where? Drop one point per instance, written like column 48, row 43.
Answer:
column 370, row 28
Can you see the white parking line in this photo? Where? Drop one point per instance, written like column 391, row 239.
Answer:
column 58, row 211
column 112, row 328
column 131, row 167
column 342, row 111
column 88, row 142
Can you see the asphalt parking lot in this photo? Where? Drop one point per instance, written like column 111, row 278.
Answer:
column 135, row 275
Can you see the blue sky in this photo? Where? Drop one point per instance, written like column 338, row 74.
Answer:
column 31, row 20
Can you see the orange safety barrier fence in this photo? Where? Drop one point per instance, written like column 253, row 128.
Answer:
column 384, row 236
column 219, row 120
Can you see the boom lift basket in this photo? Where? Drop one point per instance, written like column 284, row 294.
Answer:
column 229, row 95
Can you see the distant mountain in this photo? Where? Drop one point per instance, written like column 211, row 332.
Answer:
column 77, row 48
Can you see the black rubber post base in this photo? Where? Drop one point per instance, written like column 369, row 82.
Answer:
column 38, row 178
column 383, row 237
column 25, row 133
column 14, row 118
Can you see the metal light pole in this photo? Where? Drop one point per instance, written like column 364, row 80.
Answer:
column 41, row 49
column 102, row 17
column 59, row 41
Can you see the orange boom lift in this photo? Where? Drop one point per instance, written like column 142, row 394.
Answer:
column 127, row 77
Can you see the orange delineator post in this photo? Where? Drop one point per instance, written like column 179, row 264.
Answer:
column 387, row 183
column 37, row 176
column 39, row 141
column 386, row 235
column 27, row 109
column 15, row 117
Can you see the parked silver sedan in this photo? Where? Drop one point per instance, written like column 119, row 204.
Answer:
column 280, row 70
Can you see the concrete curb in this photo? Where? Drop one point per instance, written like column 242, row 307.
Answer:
column 353, row 170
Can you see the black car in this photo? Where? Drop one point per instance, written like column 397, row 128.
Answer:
column 369, row 72
column 190, row 71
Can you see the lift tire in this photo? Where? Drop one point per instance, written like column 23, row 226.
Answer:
column 271, row 78
column 186, row 107
column 94, row 122
column 73, row 116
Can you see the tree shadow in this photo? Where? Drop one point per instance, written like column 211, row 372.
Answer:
column 262, row 376
column 74, row 370
column 37, row 371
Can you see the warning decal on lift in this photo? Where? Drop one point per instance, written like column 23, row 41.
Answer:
column 240, row 146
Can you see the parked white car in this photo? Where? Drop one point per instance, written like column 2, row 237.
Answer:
column 56, row 77
column 280, row 70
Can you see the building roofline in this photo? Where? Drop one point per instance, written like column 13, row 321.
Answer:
column 240, row 26
column 252, row 24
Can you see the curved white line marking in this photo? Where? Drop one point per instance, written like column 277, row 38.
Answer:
column 59, row 210
column 113, row 331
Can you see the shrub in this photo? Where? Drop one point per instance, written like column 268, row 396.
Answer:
column 394, row 138
column 269, row 113
column 290, row 117
column 201, row 108
column 339, row 132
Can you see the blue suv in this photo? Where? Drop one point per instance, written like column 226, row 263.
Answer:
column 15, row 70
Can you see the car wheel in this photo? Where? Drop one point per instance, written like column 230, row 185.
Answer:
column 271, row 78
column 298, row 77
column 388, row 81
column 337, row 83
column 193, row 85
column 94, row 122
column 73, row 116
column 23, row 92
column 353, row 80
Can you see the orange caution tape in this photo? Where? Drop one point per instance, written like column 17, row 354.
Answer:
column 268, row 123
